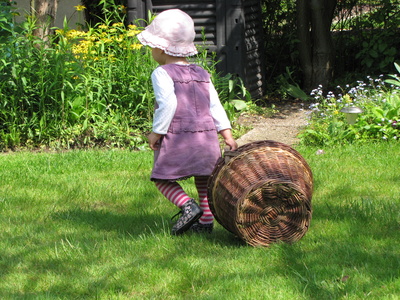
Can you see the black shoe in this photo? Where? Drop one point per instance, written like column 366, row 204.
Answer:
column 197, row 227
column 191, row 212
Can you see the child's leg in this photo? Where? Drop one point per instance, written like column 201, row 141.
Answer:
column 190, row 211
column 201, row 186
column 173, row 192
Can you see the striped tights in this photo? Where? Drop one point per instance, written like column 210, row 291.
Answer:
column 175, row 194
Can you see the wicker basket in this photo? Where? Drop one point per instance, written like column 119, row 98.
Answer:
column 262, row 193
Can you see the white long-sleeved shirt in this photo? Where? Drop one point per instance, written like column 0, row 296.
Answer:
column 164, row 92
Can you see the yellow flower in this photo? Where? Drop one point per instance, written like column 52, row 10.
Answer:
column 87, row 43
column 80, row 7
column 122, row 8
column 60, row 31
column 131, row 26
column 137, row 31
column 347, row 98
column 103, row 26
column 132, row 32
column 136, row 46
column 111, row 57
column 71, row 34
column 118, row 24
column 76, row 49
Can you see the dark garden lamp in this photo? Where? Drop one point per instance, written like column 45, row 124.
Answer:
column 351, row 113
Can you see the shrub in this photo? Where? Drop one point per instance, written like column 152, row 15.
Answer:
column 87, row 88
column 84, row 88
column 380, row 120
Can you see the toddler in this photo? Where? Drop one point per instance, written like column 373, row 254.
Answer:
column 187, row 119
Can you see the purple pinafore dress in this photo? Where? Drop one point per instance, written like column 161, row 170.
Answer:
column 191, row 145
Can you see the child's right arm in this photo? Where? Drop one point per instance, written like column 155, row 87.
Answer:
column 166, row 102
column 153, row 139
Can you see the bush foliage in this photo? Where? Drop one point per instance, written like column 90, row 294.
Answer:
column 83, row 88
column 92, row 88
column 364, row 33
column 379, row 101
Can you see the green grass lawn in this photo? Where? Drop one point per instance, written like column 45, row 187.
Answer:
column 90, row 225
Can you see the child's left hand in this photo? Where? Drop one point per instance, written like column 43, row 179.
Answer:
column 228, row 138
column 231, row 143
column 153, row 140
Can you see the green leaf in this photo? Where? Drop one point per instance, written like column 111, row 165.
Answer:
column 296, row 92
column 391, row 52
column 397, row 66
column 368, row 62
column 392, row 81
column 374, row 53
column 231, row 85
column 85, row 125
column 382, row 47
column 239, row 104
column 378, row 112
column 391, row 114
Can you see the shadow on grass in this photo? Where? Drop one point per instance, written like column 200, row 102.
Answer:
column 133, row 224
column 137, row 224
column 353, row 251
column 342, row 267
column 349, row 251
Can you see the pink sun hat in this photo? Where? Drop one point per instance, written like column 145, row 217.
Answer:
column 171, row 31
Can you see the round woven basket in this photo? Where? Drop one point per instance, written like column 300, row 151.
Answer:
column 262, row 193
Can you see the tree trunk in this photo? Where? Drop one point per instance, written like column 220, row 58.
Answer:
column 314, row 18
column 303, row 33
column 44, row 11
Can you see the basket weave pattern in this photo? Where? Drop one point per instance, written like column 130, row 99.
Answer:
column 262, row 193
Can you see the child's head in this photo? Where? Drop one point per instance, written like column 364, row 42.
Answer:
column 171, row 31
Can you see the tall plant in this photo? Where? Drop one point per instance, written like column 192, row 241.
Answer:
column 88, row 88
column 84, row 88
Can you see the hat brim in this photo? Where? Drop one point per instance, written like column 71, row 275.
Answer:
column 148, row 39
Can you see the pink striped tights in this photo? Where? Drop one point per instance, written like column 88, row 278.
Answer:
column 175, row 194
